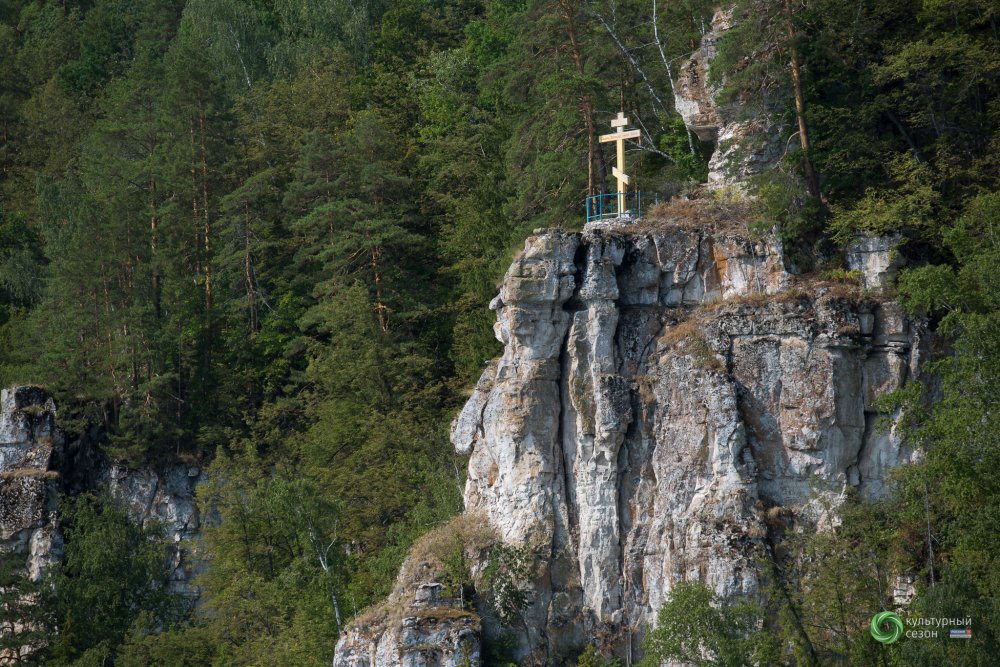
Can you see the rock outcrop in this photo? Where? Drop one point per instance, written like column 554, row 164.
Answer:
column 424, row 623
column 876, row 258
column 659, row 390
column 37, row 462
column 29, row 486
column 745, row 144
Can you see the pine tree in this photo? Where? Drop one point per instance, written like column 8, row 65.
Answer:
column 25, row 619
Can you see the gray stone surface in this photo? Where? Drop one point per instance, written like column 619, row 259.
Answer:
column 745, row 144
column 658, row 391
column 876, row 258
column 35, row 466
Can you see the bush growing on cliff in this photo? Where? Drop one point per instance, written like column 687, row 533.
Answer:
column 695, row 627
column 26, row 622
column 592, row 657
column 824, row 584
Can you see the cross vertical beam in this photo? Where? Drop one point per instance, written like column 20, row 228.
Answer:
column 619, row 136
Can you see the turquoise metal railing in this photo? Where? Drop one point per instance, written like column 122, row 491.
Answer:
column 614, row 205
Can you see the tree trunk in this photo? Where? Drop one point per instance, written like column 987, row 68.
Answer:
column 812, row 180
column 194, row 205
column 153, row 232
column 670, row 76
column 248, row 273
column 380, row 307
column 586, row 104
column 207, row 236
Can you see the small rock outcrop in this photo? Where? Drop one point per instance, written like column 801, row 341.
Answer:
column 28, row 483
column 429, row 633
column 424, row 623
column 38, row 462
column 661, row 389
column 876, row 258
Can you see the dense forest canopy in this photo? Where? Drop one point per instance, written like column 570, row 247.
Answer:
column 263, row 234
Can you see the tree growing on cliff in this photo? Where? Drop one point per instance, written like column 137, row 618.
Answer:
column 761, row 55
column 114, row 571
column 697, row 628
column 25, row 621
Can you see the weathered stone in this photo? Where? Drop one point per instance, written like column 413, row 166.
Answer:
column 631, row 434
column 165, row 497
column 28, row 484
column 35, row 467
column 876, row 258
column 417, row 641
column 744, row 146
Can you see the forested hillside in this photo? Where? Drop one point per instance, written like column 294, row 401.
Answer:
column 262, row 236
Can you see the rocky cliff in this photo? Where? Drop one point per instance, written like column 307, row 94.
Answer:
column 38, row 462
column 662, row 387
column 747, row 138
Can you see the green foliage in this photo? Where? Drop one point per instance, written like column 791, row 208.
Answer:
column 957, row 595
column 591, row 657
column 182, row 646
column 113, row 576
column 936, row 523
column 696, row 628
column 26, row 623
column 782, row 207
column 827, row 583
column 271, row 229
column 908, row 203
column 505, row 581
column 276, row 570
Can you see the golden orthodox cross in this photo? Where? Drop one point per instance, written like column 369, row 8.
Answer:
column 619, row 136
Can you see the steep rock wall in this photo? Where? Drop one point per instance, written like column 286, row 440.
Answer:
column 37, row 462
column 746, row 144
column 658, row 391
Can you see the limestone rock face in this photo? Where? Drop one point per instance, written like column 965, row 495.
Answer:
column 424, row 623
column 431, row 632
column 165, row 496
column 877, row 258
column 744, row 146
column 28, row 485
column 659, row 391
column 37, row 463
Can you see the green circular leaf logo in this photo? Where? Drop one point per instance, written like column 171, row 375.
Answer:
column 886, row 627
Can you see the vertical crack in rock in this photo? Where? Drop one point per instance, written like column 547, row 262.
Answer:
column 564, row 454
column 600, row 398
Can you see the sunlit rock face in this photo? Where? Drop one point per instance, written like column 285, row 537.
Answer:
column 38, row 462
column 657, row 391
column 429, row 631
column 747, row 139
column 660, row 389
